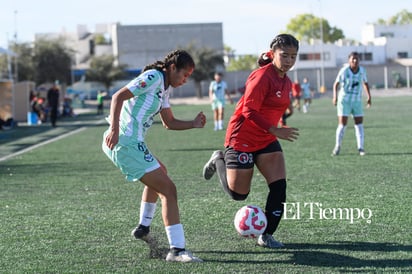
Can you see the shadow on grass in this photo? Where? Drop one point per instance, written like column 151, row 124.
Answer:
column 323, row 255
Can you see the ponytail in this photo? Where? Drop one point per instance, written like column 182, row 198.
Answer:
column 180, row 58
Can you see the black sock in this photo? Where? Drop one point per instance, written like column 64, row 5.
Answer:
column 176, row 250
column 274, row 205
column 221, row 173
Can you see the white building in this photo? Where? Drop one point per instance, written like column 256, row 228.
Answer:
column 383, row 49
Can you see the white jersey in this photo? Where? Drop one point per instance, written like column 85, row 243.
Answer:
column 351, row 84
column 137, row 113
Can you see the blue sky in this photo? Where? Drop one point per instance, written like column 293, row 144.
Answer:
column 248, row 25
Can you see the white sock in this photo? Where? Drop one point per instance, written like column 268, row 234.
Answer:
column 176, row 236
column 359, row 132
column 216, row 125
column 147, row 211
column 340, row 132
column 220, row 124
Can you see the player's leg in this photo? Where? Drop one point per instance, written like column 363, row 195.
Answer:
column 158, row 181
column 235, row 171
column 148, row 206
column 220, row 106
column 360, row 134
column 343, row 111
column 272, row 166
column 359, row 131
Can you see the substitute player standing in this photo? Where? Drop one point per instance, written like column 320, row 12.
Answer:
column 217, row 92
column 252, row 135
column 350, row 81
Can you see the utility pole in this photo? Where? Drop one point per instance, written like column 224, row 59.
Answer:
column 322, row 65
column 16, row 71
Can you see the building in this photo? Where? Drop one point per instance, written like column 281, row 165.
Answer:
column 384, row 50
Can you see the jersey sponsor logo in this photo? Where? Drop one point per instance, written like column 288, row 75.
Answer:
column 245, row 158
column 278, row 93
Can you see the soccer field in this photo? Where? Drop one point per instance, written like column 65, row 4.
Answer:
column 65, row 208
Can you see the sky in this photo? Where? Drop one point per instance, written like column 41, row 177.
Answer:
column 248, row 25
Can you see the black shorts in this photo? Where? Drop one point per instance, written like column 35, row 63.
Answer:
column 244, row 160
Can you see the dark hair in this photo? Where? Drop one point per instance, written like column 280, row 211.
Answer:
column 279, row 42
column 180, row 58
column 284, row 40
column 353, row 53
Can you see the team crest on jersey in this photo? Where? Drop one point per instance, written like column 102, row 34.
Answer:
column 148, row 157
column 245, row 158
column 141, row 84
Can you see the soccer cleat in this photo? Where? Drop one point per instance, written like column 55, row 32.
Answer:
column 267, row 240
column 141, row 232
column 361, row 152
column 210, row 167
column 183, row 256
column 336, row 151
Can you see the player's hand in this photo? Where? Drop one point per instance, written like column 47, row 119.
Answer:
column 199, row 121
column 112, row 139
column 334, row 101
column 286, row 133
column 369, row 103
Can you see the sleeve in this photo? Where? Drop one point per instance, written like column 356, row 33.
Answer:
column 166, row 97
column 364, row 75
column 255, row 93
column 338, row 77
column 145, row 82
column 211, row 85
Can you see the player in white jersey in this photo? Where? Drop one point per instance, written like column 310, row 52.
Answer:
column 351, row 81
column 131, row 115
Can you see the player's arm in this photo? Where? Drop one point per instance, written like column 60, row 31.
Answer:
column 368, row 94
column 335, row 93
column 170, row 122
column 115, row 108
column 228, row 96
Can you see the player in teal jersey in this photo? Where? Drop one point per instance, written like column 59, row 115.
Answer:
column 131, row 115
column 351, row 80
column 217, row 92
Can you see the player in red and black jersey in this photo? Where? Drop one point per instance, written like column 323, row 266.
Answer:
column 252, row 134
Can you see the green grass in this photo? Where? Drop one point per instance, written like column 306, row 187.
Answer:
column 65, row 208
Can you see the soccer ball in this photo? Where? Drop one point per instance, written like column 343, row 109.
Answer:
column 250, row 221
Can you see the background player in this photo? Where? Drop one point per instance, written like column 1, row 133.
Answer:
column 350, row 80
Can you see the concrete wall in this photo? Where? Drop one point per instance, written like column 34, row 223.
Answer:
column 140, row 45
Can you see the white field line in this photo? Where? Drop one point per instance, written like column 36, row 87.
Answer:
column 42, row 144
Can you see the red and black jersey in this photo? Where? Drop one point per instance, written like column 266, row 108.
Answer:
column 266, row 98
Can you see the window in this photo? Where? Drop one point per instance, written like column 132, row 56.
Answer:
column 365, row 56
column 402, row 54
column 309, row 56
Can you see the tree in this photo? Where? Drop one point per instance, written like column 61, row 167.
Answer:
column 52, row 61
column 22, row 56
column 307, row 26
column 25, row 62
column 404, row 17
column 243, row 62
column 102, row 70
column 207, row 62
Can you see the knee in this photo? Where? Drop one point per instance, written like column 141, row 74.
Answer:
column 236, row 196
column 169, row 192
